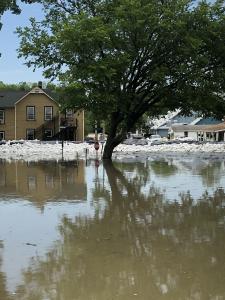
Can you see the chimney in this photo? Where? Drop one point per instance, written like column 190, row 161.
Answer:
column 40, row 84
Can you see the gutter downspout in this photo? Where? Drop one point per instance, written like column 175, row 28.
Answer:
column 15, row 122
column 83, row 126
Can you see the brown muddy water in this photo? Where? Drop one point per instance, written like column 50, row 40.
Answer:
column 131, row 230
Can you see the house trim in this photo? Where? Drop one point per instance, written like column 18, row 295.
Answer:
column 199, row 128
column 36, row 90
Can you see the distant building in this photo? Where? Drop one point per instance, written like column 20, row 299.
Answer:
column 36, row 115
column 164, row 125
column 213, row 133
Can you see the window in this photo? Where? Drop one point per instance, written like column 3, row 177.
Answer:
column 48, row 113
column 30, row 134
column 48, row 133
column 200, row 136
column 209, row 135
column 2, row 135
column 49, row 181
column 185, row 133
column 30, row 113
column 69, row 113
column 32, row 183
column 2, row 116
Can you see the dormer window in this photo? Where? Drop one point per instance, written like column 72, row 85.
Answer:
column 2, row 116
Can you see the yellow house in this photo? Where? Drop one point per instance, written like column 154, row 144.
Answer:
column 36, row 115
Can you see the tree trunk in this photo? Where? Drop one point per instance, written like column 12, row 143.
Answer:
column 109, row 147
column 113, row 138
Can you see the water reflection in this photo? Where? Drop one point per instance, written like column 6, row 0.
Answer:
column 43, row 181
column 139, row 244
column 3, row 291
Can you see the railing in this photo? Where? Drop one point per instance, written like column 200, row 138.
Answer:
column 66, row 133
column 69, row 121
column 50, row 124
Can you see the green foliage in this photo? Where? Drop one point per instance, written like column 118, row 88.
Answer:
column 11, row 5
column 24, row 86
column 27, row 86
column 89, row 123
column 123, row 58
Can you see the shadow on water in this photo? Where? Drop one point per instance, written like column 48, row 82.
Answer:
column 139, row 245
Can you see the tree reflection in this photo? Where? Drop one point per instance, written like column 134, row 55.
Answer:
column 142, row 247
column 163, row 167
column 211, row 173
column 4, row 295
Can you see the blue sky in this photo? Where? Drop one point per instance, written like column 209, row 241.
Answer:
column 12, row 69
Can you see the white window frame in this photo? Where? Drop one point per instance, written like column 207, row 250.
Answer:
column 30, row 115
column 48, row 116
column 2, row 118
column 69, row 113
column 50, row 131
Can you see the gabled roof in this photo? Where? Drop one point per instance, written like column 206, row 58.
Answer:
column 196, row 121
column 163, row 120
column 178, row 118
column 10, row 98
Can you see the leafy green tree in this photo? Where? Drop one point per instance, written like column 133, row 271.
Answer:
column 22, row 86
column 122, row 58
column 15, row 87
column 11, row 5
column 8, row 5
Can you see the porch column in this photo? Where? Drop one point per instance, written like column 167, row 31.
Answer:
column 204, row 135
column 217, row 136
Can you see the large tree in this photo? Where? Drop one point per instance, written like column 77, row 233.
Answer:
column 11, row 5
column 121, row 58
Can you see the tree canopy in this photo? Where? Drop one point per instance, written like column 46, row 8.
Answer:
column 11, row 5
column 121, row 58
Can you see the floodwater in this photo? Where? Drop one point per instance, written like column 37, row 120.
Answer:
column 150, row 229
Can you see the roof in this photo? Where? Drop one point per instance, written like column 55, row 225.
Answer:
column 196, row 121
column 199, row 128
column 10, row 98
column 163, row 120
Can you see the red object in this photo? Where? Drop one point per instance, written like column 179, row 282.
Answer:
column 96, row 145
column 97, row 163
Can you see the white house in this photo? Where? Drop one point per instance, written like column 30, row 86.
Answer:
column 215, row 132
column 163, row 125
